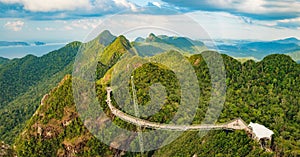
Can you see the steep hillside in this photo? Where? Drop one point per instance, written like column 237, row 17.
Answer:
column 56, row 130
column 18, row 111
column 115, row 50
column 20, row 74
column 24, row 81
column 265, row 92
column 111, row 54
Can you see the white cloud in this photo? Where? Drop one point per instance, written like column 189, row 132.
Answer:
column 265, row 6
column 126, row 4
column 257, row 9
column 50, row 5
column 49, row 29
column 82, row 24
column 14, row 25
column 228, row 26
column 289, row 23
column 217, row 24
column 85, row 24
column 68, row 28
column 156, row 4
column 70, row 5
column 10, row 1
column 113, row 5
column 293, row 23
column 290, row 20
column 256, row 6
column 103, row 5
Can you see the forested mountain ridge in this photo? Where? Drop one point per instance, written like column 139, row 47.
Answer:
column 56, row 130
column 23, row 83
column 3, row 60
column 56, row 124
column 26, row 80
column 266, row 92
column 153, row 45
column 29, row 70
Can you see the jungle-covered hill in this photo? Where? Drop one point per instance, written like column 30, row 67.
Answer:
column 266, row 92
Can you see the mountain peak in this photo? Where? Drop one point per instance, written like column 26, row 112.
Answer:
column 289, row 40
column 153, row 38
column 292, row 39
column 151, row 35
column 106, row 32
column 139, row 39
column 274, row 58
column 123, row 41
column 105, row 38
column 115, row 50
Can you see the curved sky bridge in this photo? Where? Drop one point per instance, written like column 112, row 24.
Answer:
column 236, row 124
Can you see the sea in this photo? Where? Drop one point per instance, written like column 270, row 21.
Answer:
column 11, row 52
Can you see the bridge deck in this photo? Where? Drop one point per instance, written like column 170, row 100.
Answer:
column 237, row 124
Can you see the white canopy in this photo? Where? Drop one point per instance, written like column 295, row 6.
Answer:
column 261, row 131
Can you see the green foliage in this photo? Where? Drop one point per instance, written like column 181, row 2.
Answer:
column 115, row 50
column 6, row 150
column 25, row 81
column 65, row 139
column 20, row 74
column 149, row 74
column 3, row 60
column 216, row 143
column 265, row 92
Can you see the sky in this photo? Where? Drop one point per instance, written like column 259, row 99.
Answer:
column 69, row 20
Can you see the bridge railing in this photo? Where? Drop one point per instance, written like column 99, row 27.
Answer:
column 148, row 124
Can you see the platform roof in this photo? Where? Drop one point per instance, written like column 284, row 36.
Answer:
column 261, row 131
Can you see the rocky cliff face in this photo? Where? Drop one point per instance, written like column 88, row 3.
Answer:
column 56, row 129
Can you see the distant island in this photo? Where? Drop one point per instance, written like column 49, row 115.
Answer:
column 39, row 43
column 13, row 43
column 20, row 43
column 260, row 49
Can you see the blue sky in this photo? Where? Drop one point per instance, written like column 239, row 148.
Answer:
column 68, row 20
